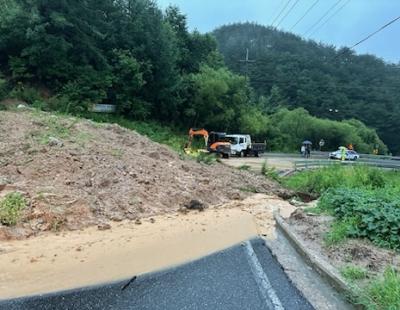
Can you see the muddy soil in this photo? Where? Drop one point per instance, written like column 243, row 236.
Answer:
column 73, row 259
column 312, row 229
column 76, row 173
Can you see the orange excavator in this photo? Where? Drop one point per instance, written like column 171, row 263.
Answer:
column 215, row 142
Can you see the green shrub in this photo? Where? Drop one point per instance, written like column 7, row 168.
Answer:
column 11, row 207
column 3, row 87
column 25, row 93
column 369, row 214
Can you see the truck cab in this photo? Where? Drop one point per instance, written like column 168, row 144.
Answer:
column 241, row 145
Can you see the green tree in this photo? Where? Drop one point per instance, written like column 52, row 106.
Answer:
column 317, row 77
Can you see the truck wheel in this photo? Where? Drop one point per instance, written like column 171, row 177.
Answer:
column 226, row 156
column 255, row 154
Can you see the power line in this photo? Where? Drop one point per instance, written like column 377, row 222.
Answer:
column 375, row 32
column 330, row 17
column 280, row 13
column 305, row 14
column 287, row 13
column 323, row 16
column 337, row 85
column 369, row 36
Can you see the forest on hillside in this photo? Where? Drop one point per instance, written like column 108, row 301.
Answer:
column 328, row 82
column 68, row 55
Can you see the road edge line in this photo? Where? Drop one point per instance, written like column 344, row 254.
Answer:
column 261, row 278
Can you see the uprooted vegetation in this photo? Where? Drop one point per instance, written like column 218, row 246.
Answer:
column 356, row 221
column 73, row 173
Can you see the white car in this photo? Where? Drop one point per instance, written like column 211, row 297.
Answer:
column 350, row 155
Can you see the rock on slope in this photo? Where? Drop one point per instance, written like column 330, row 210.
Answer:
column 75, row 173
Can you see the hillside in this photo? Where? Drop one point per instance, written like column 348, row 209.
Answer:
column 145, row 62
column 74, row 173
column 293, row 72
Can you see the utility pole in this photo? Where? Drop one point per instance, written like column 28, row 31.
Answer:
column 247, row 61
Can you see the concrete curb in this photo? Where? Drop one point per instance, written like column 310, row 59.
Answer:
column 321, row 266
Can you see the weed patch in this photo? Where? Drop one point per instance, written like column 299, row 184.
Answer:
column 382, row 293
column 53, row 126
column 339, row 231
column 206, row 158
column 269, row 172
column 353, row 273
column 11, row 207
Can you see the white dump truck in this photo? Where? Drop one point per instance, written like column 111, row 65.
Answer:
column 241, row 145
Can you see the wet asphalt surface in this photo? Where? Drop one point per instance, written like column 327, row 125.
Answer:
column 245, row 276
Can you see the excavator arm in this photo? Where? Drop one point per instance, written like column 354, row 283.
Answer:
column 197, row 132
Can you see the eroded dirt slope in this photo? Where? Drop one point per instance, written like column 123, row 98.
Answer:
column 75, row 173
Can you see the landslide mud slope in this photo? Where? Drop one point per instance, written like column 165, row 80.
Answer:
column 76, row 173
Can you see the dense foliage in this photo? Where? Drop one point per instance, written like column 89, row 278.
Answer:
column 366, row 213
column 68, row 55
column 293, row 72
column 365, row 201
column 286, row 128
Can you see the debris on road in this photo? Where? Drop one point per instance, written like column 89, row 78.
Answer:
column 195, row 205
column 104, row 172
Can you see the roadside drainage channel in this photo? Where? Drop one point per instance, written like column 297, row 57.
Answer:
column 314, row 276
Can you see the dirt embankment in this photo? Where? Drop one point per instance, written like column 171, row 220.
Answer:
column 312, row 230
column 76, row 173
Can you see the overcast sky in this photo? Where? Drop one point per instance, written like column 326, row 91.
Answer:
column 353, row 22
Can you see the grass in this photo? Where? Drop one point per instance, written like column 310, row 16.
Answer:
column 316, row 210
column 339, row 231
column 205, row 158
column 382, row 293
column 320, row 180
column 55, row 125
column 269, row 172
column 11, row 208
column 353, row 273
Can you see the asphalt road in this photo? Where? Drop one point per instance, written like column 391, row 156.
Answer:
column 246, row 276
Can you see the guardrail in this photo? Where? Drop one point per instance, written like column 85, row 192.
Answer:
column 312, row 163
column 325, row 155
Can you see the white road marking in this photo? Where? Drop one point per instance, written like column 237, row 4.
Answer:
column 264, row 285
